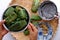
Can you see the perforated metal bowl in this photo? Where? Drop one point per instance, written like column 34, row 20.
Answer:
column 47, row 8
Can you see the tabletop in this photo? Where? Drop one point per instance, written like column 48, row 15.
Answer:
column 3, row 7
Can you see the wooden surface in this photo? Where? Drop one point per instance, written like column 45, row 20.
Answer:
column 28, row 4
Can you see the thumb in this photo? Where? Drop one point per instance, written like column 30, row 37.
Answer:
column 1, row 23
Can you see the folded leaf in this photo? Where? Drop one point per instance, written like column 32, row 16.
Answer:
column 35, row 6
column 17, row 9
column 23, row 14
column 8, row 11
column 18, row 25
column 11, row 17
column 35, row 17
column 26, row 32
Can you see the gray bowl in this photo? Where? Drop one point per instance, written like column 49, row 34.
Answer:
column 22, row 24
column 47, row 10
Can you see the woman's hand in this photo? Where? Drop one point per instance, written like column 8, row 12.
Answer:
column 2, row 29
column 33, row 32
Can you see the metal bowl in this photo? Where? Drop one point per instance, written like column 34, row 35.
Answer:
column 22, row 24
column 46, row 9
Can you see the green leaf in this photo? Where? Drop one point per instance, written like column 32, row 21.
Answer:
column 8, row 11
column 11, row 17
column 23, row 14
column 35, row 23
column 35, row 6
column 18, row 25
column 17, row 9
column 26, row 32
column 35, row 17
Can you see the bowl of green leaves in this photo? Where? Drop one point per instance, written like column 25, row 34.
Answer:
column 16, row 18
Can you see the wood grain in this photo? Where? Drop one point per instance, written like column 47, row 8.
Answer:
column 28, row 4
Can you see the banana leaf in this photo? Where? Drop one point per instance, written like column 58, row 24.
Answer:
column 18, row 25
column 35, row 6
column 23, row 14
column 8, row 11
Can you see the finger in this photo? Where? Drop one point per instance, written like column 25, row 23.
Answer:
column 29, row 28
column 33, row 27
column 4, row 32
column 1, row 23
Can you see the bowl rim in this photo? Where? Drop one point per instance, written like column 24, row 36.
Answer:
column 28, row 20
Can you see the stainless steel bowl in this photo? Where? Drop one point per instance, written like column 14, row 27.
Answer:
column 46, row 9
column 22, row 24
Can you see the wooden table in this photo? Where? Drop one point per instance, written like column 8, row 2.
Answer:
column 28, row 4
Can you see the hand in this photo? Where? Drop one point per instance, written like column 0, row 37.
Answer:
column 33, row 32
column 2, row 29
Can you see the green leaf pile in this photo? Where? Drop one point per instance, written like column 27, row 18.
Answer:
column 16, row 18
